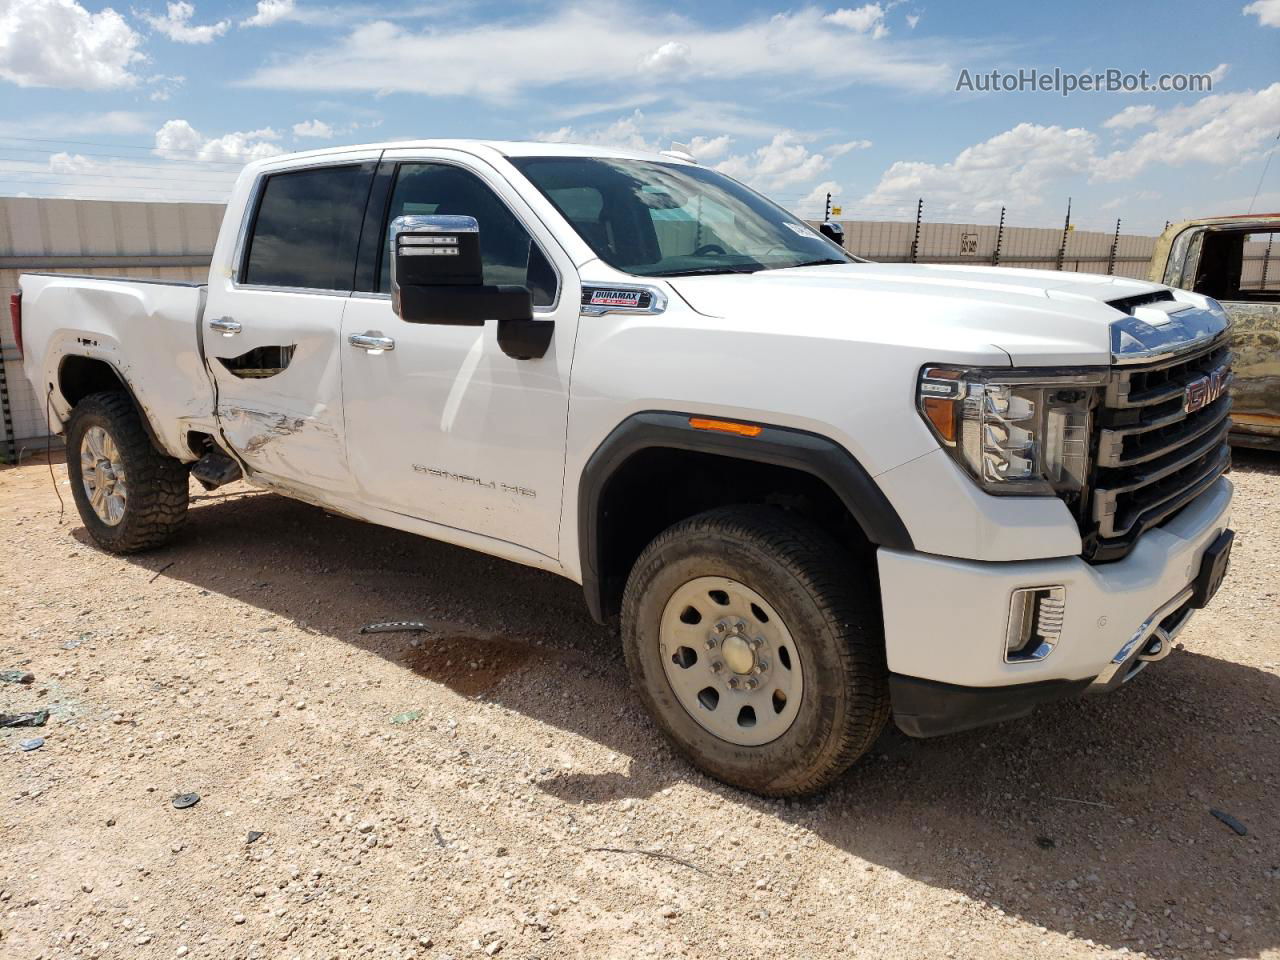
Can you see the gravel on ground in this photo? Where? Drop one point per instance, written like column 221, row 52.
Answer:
column 490, row 787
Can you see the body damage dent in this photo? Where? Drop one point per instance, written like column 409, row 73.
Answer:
column 269, row 440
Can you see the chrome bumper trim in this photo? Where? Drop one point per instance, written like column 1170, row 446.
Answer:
column 1150, row 635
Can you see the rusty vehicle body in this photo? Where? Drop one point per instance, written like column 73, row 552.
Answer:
column 1236, row 260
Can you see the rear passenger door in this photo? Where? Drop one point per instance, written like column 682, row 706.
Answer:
column 272, row 327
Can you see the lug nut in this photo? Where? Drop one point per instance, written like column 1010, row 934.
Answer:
column 761, row 666
column 720, row 627
column 733, row 683
column 756, row 642
column 716, row 666
column 712, row 643
column 752, row 683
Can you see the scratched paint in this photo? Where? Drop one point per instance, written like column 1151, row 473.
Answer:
column 286, row 445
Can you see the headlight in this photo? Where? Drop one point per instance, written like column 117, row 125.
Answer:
column 1020, row 432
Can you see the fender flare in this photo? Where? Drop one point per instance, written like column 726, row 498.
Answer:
column 802, row 450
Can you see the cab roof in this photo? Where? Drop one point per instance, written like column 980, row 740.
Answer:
column 503, row 148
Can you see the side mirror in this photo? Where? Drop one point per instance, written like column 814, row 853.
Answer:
column 833, row 232
column 437, row 277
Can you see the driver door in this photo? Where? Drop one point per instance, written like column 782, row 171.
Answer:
column 442, row 425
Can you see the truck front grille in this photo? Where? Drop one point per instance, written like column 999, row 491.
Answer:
column 1162, row 441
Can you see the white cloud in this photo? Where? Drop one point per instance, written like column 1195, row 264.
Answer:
column 270, row 12
column 672, row 56
column 58, row 43
column 625, row 132
column 1219, row 73
column 163, row 86
column 71, row 163
column 1267, row 12
column 814, row 205
column 1129, row 199
column 178, row 140
column 51, row 125
column 912, row 20
column 1137, row 116
column 840, row 149
column 313, row 128
column 1221, row 129
column 707, row 149
column 1011, row 168
column 864, row 19
column 177, row 26
column 782, row 162
column 564, row 47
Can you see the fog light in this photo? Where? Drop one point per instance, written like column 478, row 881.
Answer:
column 1035, row 623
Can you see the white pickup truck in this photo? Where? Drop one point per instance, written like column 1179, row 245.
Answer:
column 818, row 491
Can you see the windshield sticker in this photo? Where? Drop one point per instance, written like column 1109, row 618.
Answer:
column 615, row 298
column 803, row 231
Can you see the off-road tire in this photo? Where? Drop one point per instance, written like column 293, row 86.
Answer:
column 156, row 506
column 830, row 606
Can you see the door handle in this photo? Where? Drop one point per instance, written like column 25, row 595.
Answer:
column 225, row 326
column 373, row 342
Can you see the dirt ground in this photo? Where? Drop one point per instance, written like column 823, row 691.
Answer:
column 492, row 788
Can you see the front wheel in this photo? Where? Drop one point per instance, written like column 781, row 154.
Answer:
column 755, row 642
column 130, row 496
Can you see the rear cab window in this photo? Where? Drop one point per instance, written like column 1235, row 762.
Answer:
column 306, row 229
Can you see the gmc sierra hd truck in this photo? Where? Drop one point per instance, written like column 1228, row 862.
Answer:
column 816, row 491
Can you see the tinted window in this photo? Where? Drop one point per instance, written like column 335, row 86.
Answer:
column 507, row 252
column 308, row 228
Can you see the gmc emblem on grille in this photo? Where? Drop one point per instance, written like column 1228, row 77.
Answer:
column 1200, row 393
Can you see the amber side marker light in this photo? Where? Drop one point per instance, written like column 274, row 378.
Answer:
column 726, row 426
column 941, row 412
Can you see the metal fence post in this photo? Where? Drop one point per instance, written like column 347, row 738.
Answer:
column 915, row 241
column 1066, row 228
column 1111, row 258
column 1266, row 260
column 995, row 257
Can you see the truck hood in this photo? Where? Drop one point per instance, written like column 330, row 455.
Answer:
column 1037, row 317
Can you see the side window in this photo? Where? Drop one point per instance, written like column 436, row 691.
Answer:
column 307, row 229
column 507, row 252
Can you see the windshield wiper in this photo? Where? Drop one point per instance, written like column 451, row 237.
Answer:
column 820, row 263
column 708, row 271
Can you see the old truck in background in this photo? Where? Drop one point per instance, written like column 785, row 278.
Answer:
column 1230, row 259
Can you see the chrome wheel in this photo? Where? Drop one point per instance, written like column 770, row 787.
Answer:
column 731, row 661
column 102, row 473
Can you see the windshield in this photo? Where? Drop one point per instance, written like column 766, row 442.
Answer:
column 674, row 219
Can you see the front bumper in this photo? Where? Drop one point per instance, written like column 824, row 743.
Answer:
column 946, row 620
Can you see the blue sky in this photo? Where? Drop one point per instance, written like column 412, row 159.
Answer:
column 164, row 100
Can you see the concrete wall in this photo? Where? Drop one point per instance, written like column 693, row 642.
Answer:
column 975, row 243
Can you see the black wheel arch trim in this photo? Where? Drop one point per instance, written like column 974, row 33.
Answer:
column 803, row 450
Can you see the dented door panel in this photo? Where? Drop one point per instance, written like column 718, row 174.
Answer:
column 284, row 419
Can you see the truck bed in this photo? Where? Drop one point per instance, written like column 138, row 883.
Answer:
column 128, row 324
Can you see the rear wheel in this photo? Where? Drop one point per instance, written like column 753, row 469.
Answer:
column 130, row 496
column 755, row 642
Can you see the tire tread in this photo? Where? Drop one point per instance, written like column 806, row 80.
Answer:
column 158, row 484
column 827, row 573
